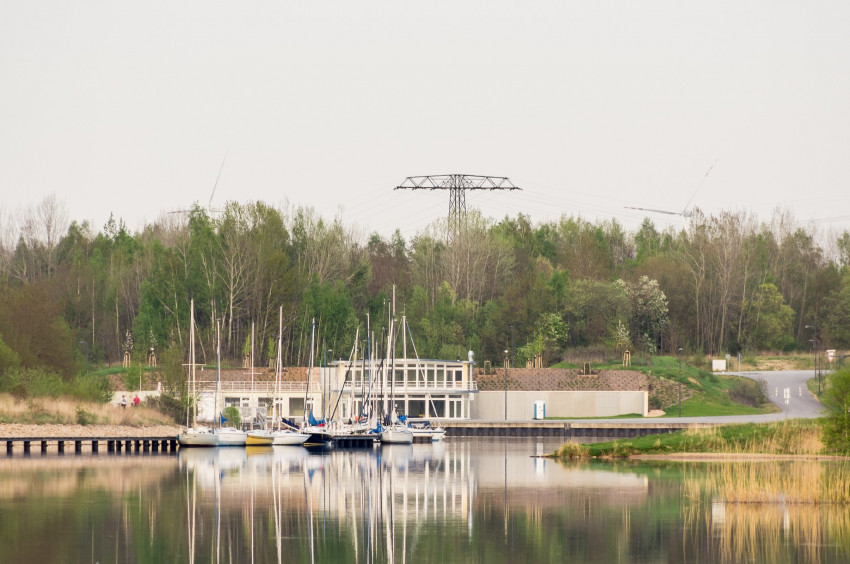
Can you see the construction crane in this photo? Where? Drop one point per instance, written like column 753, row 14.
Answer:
column 686, row 211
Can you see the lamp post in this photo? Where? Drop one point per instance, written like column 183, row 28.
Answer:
column 512, row 345
column 506, row 384
column 679, row 355
column 86, row 345
column 815, row 355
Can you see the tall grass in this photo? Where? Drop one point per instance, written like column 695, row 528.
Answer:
column 70, row 411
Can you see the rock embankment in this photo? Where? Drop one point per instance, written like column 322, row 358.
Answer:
column 38, row 431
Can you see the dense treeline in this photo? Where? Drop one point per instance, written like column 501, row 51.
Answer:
column 70, row 294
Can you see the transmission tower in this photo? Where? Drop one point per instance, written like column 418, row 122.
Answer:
column 457, row 185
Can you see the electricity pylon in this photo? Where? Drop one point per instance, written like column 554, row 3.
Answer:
column 457, row 185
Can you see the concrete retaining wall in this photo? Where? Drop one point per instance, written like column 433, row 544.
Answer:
column 491, row 405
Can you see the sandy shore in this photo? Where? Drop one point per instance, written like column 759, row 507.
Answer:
column 15, row 430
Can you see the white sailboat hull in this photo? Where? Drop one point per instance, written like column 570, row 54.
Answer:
column 396, row 435
column 197, row 438
column 229, row 436
column 428, row 434
column 290, row 438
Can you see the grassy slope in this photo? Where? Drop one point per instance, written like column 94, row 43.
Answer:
column 710, row 391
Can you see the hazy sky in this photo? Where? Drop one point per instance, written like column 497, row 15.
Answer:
column 130, row 108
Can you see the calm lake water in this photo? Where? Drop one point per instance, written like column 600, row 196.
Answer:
column 464, row 500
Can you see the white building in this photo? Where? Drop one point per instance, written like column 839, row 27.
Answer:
column 420, row 389
column 417, row 388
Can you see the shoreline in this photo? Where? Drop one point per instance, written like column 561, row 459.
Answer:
column 85, row 431
column 732, row 457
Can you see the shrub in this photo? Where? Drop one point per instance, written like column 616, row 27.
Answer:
column 747, row 392
column 655, row 402
column 168, row 405
column 231, row 413
column 91, row 387
column 572, row 450
column 84, row 417
column 836, row 397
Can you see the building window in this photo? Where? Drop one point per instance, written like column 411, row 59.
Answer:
column 296, row 407
column 439, row 408
column 416, row 407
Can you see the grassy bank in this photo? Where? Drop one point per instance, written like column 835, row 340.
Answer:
column 69, row 411
column 797, row 437
column 704, row 393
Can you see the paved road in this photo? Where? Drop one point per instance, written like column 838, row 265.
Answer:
column 802, row 404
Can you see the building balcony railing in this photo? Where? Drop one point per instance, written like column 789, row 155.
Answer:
column 268, row 387
column 263, row 386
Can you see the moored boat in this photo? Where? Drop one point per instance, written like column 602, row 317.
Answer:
column 259, row 437
column 194, row 436
column 317, row 436
column 396, row 434
column 231, row 436
column 426, row 434
column 291, row 438
column 197, row 436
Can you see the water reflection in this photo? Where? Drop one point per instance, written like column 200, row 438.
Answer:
column 485, row 500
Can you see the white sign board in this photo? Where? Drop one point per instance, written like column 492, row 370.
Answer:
column 718, row 365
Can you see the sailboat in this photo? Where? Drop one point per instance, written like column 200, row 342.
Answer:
column 283, row 436
column 194, row 435
column 257, row 437
column 395, row 431
column 227, row 436
column 422, row 432
column 317, row 433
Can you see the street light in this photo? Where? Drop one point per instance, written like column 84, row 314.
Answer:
column 506, row 384
column 512, row 345
column 679, row 355
column 86, row 345
column 815, row 355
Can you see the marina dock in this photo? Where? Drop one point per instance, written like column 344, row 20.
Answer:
column 111, row 444
column 565, row 430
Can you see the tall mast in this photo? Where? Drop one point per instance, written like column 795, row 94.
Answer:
column 309, row 367
column 217, row 369
column 192, row 358
column 278, row 368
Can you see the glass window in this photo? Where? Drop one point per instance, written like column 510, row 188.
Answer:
column 416, row 407
column 296, row 406
column 439, row 407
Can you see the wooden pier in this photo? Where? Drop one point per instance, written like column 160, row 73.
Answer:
column 354, row 441
column 111, row 444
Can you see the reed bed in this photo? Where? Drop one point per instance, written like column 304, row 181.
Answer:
column 755, row 509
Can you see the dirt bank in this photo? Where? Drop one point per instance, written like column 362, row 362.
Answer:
column 37, row 431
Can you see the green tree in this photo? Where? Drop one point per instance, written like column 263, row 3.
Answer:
column 769, row 319
column 836, row 397
column 593, row 308
column 648, row 311
column 836, row 312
